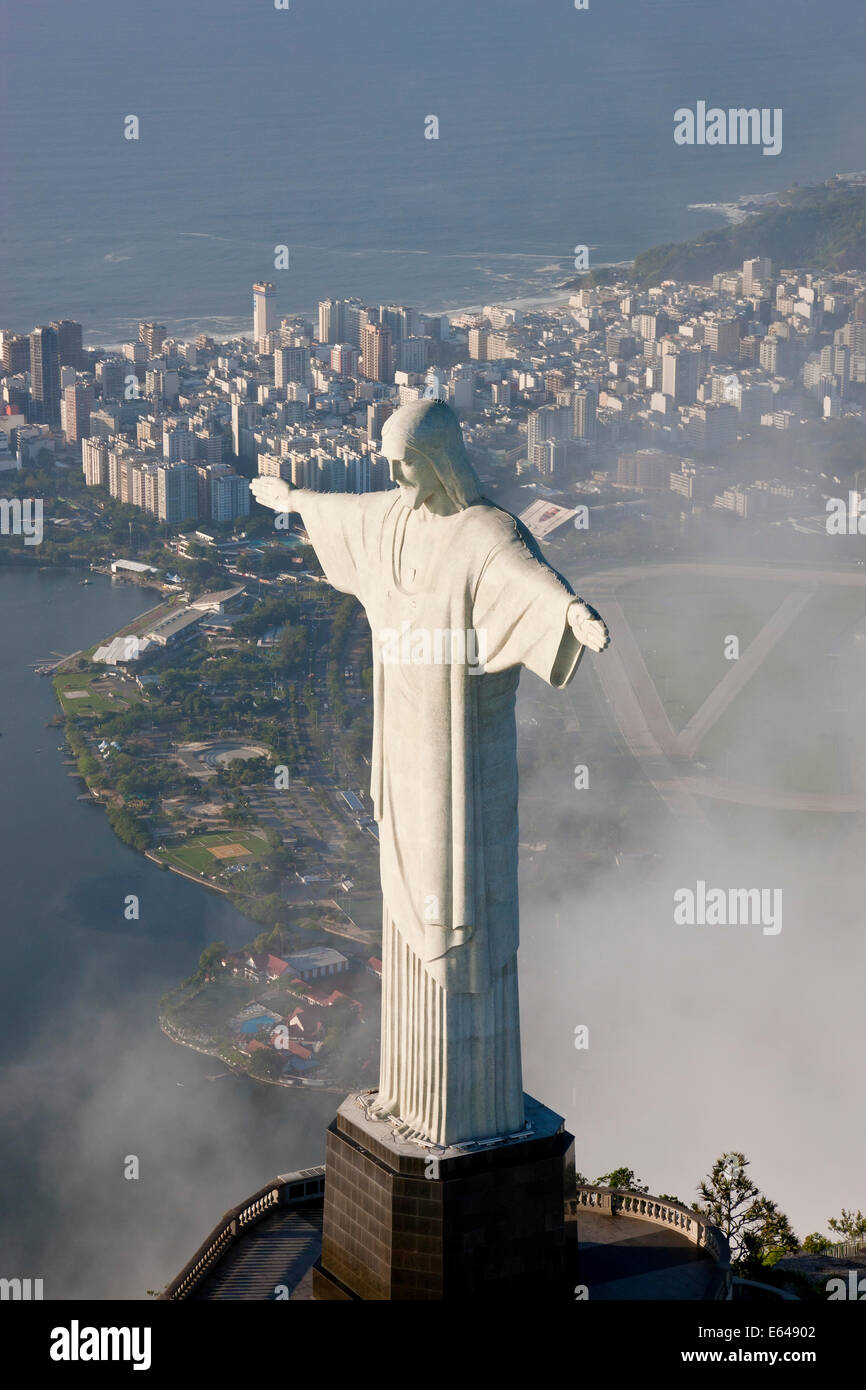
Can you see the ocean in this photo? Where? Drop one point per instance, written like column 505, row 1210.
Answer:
column 305, row 127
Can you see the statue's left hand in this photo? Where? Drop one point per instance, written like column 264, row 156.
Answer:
column 587, row 626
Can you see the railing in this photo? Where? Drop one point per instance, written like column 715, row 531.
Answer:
column 772, row 1289
column 844, row 1249
column 643, row 1207
column 288, row 1190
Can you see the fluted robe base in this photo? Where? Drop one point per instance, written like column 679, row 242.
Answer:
column 450, row 1066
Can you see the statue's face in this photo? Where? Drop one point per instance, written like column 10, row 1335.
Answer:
column 417, row 479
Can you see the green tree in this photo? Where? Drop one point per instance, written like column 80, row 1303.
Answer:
column 769, row 1237
column 265, row 1063
column 621, row 1178
column 210, row 957
column 758, row 1232
column 850, row 1225
column 815, row 1244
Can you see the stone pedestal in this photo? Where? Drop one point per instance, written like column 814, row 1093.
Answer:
column 486, row 1221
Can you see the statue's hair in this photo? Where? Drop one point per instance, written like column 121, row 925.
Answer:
column 430, row 429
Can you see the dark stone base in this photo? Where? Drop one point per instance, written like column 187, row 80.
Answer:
column 403, row 1221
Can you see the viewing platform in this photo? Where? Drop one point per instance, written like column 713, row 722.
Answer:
column 631, row 1247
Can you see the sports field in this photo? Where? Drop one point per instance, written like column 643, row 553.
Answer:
column 91, row 692
column 208, row 853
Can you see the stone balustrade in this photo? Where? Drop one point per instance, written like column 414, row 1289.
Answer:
column 691, row 1224
column 287, row 1190
column 292, row 1188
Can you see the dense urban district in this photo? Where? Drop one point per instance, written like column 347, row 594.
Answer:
column 227, row 730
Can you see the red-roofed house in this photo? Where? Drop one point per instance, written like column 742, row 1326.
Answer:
column 275, row 967
column 306, row 1021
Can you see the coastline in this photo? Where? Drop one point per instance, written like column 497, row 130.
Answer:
column 172, row 868
column 296, row 1084
column 172, row 1031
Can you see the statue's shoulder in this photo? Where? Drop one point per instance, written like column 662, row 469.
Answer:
column 497, row 527
column 485, row 519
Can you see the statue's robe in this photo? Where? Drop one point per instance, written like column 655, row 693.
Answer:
column 444, row 789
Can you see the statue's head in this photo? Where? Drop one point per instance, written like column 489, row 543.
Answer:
column 423, row 443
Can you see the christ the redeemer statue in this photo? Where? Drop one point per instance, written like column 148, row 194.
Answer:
column 458, row 598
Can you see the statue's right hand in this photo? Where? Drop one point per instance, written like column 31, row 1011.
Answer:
column 275, row 493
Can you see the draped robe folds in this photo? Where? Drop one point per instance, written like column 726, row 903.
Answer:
column 444, row 790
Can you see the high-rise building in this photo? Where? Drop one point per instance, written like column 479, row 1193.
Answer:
column 619, row 344
column 69, row 348
column 647, row 468
column 377, row 413
column 94, row 462
column 355, row 317
column 756, row 272
column 122, row 464
column 330, row 320
column 162, row 385
column 478, row 344
column 358, row 473
column 343, row 320
column 344, row 359
column 651, row 325
column 296, row 331
column 722, row 336
column 680, row 374
column 178, row 441
column 16, row 353
column 110, row 373
column 246, row 417
column 402, row 322
column 210, row 445
column 584, row 409
column 376, row 353
column 223, row 495
column 153, row 336
column 177, row 492
column 550, row 456
column 264, row 309
column 105, row 422
column 45, row 375
column 229, row 497
column 291, row 364
column 78, row 403
column 555, row 382
column 772, row 355
column 412, row 354
column 550, row 422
